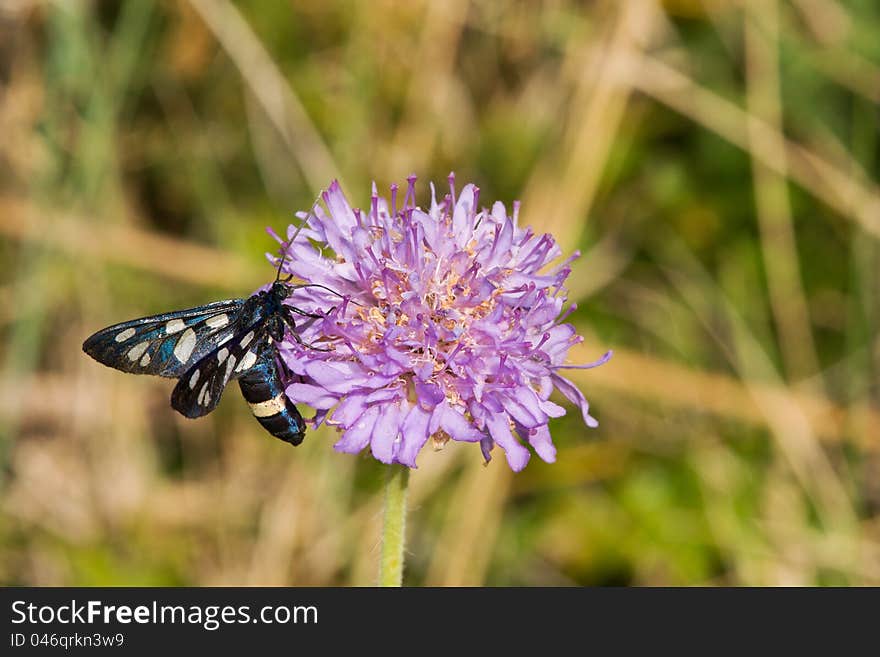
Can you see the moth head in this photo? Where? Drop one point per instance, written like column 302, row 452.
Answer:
column 281, row 290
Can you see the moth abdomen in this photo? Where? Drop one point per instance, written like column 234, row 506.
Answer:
column 287, row 425
column 262, row 389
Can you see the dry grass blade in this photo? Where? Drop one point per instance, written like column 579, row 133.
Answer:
column 778, row 242
column 851, row 196
column 274, row 93
column 183, row 261
column 430, row 95
column 790, row 425
column 856, row 74
column 463, row 550
column 827, row 19
column 640, row 375
column 595, row 117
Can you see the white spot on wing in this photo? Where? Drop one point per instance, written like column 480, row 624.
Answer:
column 185, row 345
column 174, row 326
column 122, row 336
column 218, row 321
column 247, row 362
column 137, row 351
column 202, row 394
column 246, row 340
column 229, row 365
column 222, row 354
column 145, row 360
column 193, row 379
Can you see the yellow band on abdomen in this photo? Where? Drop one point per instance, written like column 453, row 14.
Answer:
column 268, row 408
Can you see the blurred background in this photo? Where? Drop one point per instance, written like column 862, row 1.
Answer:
column 716, row 161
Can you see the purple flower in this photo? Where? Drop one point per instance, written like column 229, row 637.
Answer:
column 447, row 325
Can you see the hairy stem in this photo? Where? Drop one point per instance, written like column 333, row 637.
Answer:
column 394, row 527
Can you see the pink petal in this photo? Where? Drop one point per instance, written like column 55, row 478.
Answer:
column 349, row 410
column 358, row 435
column 575, row 396
column 462, row 215
column 457, row 426
column 341, row 377
column 385, row 433
column 499, row 427
column 552, row 409
column 339, row 207
column 524, row 407
column 429, row 395
column 415, row 435
column 314, row 396
column 539, row 438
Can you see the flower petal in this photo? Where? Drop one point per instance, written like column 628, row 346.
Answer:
column 486, row 445
column 349, row 410
column 415, row 434
column 499, row 428
column 385, row 433
column 457, row 426
column 557, row 345
column 314, row 396
column 320, row 417
column 382, row 394
column 540, row 439
column 575, row 396
column 339, row 207
column 343, row 376
column 462, row 225
column 429, row 395
column 552, row 409
column 358, row 435
column 524, row 407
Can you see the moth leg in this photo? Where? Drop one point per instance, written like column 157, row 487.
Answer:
column 306, row 344
column 304, row 313
column 279, row 362
column 292, row 326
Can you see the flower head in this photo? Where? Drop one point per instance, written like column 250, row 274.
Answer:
column 442, row 323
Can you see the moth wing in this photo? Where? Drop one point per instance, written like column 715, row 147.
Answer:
column 199, row 389
column 166, row 344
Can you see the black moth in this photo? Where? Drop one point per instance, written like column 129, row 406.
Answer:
column 208, row 346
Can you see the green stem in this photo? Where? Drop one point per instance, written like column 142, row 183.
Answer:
column 394, row 527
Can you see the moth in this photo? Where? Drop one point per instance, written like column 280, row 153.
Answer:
column 208, row 346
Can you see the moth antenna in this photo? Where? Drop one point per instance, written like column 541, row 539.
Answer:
column 281, row 263
column 324, row 287
column 285, row 249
